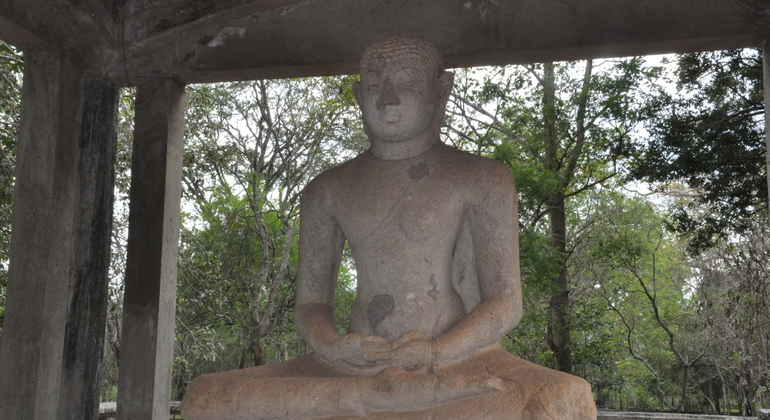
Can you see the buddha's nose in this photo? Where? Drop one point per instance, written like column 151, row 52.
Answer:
column 388, row 96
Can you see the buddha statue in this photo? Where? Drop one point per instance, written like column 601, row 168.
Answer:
column 433, row 232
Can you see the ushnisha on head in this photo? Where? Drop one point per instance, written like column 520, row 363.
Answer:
column 402, row 94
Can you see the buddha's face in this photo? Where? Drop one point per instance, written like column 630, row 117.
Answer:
column 399, row 98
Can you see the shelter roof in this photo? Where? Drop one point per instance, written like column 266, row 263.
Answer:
column 222, row 40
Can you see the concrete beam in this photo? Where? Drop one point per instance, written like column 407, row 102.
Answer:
column 149, row 18
column 147, row 342
column 20, row 37
column 57, row 274
column 220, row 40
column 322, row 38
column 84, row 27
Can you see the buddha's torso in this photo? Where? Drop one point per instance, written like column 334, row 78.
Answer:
column 402, row 219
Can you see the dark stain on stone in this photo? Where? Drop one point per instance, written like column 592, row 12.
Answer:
column 419, row 171
column 433, row 293
column 194, row 10
column 205, row 39
column 379, row 308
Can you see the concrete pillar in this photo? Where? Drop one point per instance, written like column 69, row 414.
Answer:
column 144, row 383
column 84, row 333
column 56, row 288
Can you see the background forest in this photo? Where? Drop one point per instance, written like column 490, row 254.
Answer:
column 643, row 212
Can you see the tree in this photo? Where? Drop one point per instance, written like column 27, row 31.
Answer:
column 642, row 277
column 250, row 149
column 562, row 129
column 709, row 134
column 118, row 244
column 733, row 294
column 11, row 67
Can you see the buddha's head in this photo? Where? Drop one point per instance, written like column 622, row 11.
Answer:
column 403, row 89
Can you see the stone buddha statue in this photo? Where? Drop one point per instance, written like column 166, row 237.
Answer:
column 433, row 233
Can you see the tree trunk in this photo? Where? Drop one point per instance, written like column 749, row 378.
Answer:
column 559, row 339
column 558, row 327
column 256, row 345
column 684, row 404
column 766, row 92
column 749, row 389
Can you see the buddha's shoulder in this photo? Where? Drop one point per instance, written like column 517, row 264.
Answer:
column 470, row 165
column 336, row 176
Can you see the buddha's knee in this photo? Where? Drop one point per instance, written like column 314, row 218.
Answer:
column 201, row 396
column 561, row 397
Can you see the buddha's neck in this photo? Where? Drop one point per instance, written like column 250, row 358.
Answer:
column 402, row 150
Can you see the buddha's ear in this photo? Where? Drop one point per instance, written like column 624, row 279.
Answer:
column 446, row 81
column 357, row 92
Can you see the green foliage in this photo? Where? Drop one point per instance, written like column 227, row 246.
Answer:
column 628, row 262
column 345, row 293
column 562, row 129
column 709, row 134
column 118, row 244
column 218, row 287
column 250, row 149
column 733, row 294
column 11, row 68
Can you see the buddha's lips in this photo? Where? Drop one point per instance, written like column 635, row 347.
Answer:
column 390, row 116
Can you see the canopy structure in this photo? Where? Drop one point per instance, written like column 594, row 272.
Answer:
column 79, row 52
column 208, row 41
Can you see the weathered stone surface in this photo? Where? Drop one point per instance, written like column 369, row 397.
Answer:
column 214, row 40
column 57, row 280
column 219, row 45
column 433, row 232
column 84, row 332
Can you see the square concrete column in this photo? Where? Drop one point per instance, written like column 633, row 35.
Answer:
column 53, row 331
column 147, row 342
column 87, row 310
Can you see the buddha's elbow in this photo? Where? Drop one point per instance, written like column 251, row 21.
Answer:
column 513, row 310
column 515, row 317
column 301, row 314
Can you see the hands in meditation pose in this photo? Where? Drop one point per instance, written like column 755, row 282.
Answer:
column 433, row 233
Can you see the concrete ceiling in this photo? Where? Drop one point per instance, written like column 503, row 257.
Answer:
column 219, row 40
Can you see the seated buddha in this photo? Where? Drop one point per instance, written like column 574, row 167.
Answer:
column 433, row 232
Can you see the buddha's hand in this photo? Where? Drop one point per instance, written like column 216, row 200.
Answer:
column 412, row 352
column 360, row 354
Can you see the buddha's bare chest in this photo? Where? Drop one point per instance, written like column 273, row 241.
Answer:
column 421, row 208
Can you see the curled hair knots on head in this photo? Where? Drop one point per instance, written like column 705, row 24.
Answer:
column 399, row 46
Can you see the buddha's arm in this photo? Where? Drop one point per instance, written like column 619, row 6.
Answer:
column 494, row 230
column 320, row 247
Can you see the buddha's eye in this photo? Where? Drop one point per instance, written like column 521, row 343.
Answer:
column 409, row 78
column 372, row 86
